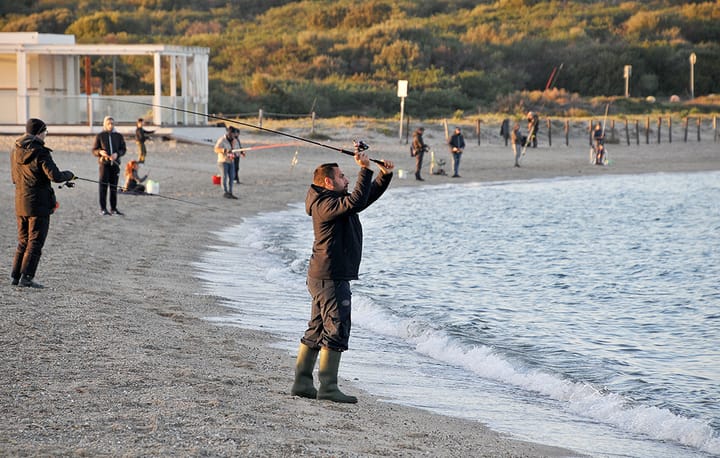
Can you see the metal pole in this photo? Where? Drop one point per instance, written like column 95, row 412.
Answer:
column 402, row 114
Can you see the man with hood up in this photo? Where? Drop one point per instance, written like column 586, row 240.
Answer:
column 335, row 260
column 33, row 170
column 109, row 147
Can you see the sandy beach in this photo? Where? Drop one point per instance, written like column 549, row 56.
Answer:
column 116, row 357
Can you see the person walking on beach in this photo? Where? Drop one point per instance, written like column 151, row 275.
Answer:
column 419, row 148
column 141, row 136
column 518, row 140
column 109, row 147
column 457, row 145
column 226, row 159
column 33, row 171
column 335, row 260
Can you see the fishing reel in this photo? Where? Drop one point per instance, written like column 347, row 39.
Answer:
column 67, row 184
column 360, row 146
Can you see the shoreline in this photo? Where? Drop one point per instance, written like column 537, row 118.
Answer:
column 116, row 354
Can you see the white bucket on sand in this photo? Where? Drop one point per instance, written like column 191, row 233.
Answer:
column 152, row 187
column 402, row 174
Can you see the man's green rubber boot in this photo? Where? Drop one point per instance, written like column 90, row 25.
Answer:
column 329, row 364
column 304, row 365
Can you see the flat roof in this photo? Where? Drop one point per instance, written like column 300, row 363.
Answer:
column 36, row 38
column 47, row 43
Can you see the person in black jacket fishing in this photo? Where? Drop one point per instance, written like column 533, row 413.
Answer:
column 109, row 147
column 141, row 136
column 335, row 260
column 33, row 171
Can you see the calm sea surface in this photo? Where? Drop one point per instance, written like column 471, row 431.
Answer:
column 580, row 312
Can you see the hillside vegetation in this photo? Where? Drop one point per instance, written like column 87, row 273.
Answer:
column 343, row 57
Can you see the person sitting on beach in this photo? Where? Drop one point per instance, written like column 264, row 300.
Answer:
column 133, row 182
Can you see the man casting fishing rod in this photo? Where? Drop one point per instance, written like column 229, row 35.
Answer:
column 335, row 260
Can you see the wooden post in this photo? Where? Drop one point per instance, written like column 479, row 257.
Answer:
column 549, row 128
column 612, row 131
column 312, row 126
column 686, row 122
column 567, row 133
column 715, row 128
column 590, row 132
column 627, row 132
column 477, row 129
column 260, row 117
column 699, row 122
column 659, row 128
column 647, row 130
column 407, row 130
column 670, row 129
column 637, row 132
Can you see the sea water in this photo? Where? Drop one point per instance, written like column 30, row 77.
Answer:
column 581, row 312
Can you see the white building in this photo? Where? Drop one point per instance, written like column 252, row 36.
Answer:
column 40, row 77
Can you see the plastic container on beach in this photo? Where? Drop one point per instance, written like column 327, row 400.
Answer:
column 152, row 187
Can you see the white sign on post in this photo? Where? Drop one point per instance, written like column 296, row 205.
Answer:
column 402, row 88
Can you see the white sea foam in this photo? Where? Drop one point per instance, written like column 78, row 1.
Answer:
column 580, row 398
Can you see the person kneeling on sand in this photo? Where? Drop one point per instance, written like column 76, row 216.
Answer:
column 335, row 260
column 133, row 182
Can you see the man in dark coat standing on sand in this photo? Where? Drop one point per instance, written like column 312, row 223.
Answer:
column 33, row 170
column 335, row 261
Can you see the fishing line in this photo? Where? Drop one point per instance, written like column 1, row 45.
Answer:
column 70, row 184
column 359, row 144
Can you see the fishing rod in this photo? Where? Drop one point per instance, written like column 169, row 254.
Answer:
column 359, row 144
column 553, row 77
column 607, row 107
column 70, row 184
column 254, row 148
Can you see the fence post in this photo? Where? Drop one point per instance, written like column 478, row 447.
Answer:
column 647, row 130
column 407, row 129
column 686, row 122
column 670, row 129
column 699, row 122
column 612, row 131
column 567, row 133
column 549, row 128
column 637, row 132
column 477, row 129
column 260, row 117
column 659, row 128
